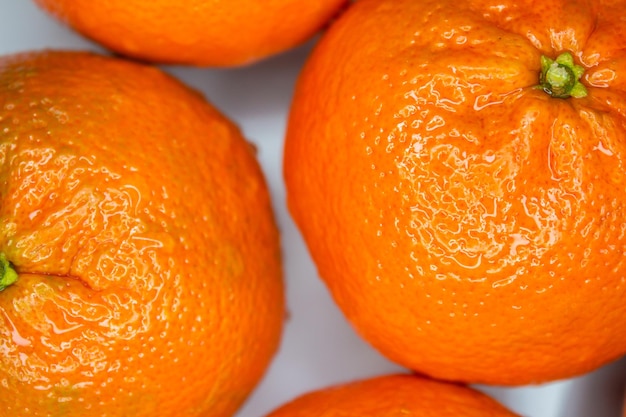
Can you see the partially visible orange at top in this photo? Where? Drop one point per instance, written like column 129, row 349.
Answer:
column 198, row 32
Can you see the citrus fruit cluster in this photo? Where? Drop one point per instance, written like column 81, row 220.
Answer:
column 455, row 169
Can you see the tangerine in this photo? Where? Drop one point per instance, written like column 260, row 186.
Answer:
column 391, row 396
column 140, row 256
column 457, row 172
column 198, row 32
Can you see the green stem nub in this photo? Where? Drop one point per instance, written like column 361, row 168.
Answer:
column 8, row 275
column 561, row 77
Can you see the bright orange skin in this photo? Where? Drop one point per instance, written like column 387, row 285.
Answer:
column 139, row 222
column 469, row 225
column 199, row 32
column 394, row 396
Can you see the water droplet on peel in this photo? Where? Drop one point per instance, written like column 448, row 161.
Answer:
column 17, row 338
column 33, row 214
column 600, row 147
column 505, row 281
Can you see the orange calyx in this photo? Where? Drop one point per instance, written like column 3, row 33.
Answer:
column 561, row 77
column 8, row 275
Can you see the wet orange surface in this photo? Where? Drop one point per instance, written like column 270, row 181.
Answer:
column 469, row 225
column 141, row 229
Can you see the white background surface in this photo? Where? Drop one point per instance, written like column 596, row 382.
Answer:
column 319, row 348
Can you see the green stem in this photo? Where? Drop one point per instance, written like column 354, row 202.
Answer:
column 561, row 77
column 8, row 275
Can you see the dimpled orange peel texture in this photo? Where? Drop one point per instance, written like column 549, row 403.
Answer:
column 392, row 396
column 457, row 171
column 139, row 227
column 208, row 33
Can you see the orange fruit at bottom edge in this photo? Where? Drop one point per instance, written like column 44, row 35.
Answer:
column 392, row 396
column 469, row 224
column 198, row 32
column 139, row 223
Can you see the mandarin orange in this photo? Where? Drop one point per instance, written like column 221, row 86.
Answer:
column 457, row 172
column 199, row 32
column 140, row 255
column 392, row 396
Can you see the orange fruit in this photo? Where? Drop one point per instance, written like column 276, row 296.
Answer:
column 198, row 32
column 391, row 396
column 468, row 222
column 138, row 224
